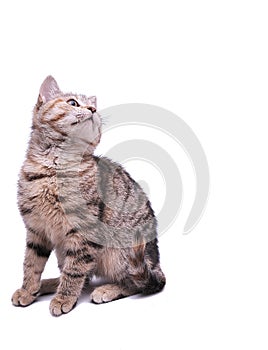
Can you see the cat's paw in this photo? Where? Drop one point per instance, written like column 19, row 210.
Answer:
column 22, row 298
column 106, row 293
column 62, row 305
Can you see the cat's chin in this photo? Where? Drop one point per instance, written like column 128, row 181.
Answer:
column 85, row 132
column 81, row 121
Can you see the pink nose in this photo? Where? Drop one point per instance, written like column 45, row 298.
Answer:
column 92, row 109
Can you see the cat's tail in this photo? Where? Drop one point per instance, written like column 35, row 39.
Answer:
column 156, row 281
column 145, row 268
column 49, row 286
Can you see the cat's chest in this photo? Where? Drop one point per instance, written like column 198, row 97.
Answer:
column 39, row 193
column 41, row 206
column 54, row 205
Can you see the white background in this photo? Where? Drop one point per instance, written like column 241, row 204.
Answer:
column 206, row 61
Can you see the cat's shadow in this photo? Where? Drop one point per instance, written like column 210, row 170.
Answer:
column 87, row 290
column 85, row 294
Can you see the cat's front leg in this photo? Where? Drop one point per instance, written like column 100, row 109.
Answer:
column 78, row 264
column 36, row 256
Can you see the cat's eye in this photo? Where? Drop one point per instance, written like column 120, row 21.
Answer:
column 73, row 103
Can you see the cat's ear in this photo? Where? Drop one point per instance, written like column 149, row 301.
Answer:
column 48, row 90
column 93, row 100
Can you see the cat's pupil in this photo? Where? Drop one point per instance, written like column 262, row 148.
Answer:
column 73, row 103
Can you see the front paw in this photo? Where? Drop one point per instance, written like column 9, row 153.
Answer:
column 22, row 298
column 62, row 305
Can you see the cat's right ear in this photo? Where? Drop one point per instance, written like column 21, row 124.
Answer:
column 48, row 90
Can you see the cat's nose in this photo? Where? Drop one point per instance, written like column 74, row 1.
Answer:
column 91, row 109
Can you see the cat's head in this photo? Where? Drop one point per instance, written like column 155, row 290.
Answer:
column 62, row 117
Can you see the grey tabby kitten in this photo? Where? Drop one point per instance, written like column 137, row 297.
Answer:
column 86, row 208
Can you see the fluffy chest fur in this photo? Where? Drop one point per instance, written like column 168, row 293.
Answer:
column 40, row 206
column 54, row 201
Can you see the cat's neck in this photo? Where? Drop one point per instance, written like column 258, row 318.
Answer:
column 60, row 154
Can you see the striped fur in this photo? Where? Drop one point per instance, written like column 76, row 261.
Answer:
column 85, row 208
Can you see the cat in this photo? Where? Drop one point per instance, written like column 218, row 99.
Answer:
column 87, row 209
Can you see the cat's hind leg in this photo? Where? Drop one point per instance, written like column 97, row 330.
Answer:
column 133, row 270
column 108, row 292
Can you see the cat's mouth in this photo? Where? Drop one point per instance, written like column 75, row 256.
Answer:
column 82, row 120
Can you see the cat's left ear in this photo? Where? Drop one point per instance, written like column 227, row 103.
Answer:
column 48, row 90
column 93, row 100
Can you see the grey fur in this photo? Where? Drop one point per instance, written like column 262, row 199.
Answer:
column 86, row 208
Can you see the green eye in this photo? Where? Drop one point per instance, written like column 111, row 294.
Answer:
column 73, row 102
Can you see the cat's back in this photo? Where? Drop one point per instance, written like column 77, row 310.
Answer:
column 125, row 204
